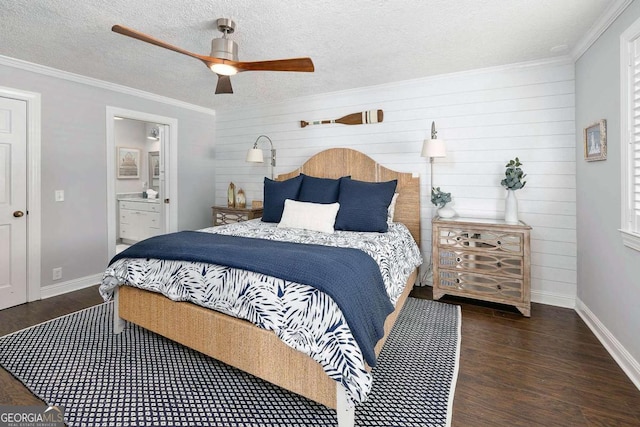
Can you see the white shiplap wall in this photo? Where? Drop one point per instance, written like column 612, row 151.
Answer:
column 486, row 117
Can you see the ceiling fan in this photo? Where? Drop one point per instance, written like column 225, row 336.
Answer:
column 224, row 55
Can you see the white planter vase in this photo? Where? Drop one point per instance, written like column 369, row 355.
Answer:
column 446, row 212
column 511, row 208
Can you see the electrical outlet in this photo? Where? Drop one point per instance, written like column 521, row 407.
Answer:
column 59, row 194
column 57, row 273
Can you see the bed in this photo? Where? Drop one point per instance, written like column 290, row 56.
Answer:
column 260, row 351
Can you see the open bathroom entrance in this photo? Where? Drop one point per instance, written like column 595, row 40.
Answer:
column 142, row 178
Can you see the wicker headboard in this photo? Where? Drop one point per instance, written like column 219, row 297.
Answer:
column 338, row 162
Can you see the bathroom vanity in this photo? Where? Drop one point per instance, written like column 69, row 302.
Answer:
column 138, row 219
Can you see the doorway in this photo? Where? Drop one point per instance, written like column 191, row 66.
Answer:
column 20, row 204
column 141, row 177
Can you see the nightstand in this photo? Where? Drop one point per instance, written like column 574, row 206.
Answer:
column 484, row 259
column 224, row 215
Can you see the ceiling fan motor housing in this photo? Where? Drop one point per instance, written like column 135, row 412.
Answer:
column 224, row 49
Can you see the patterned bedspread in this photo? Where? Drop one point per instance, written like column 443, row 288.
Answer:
column 303, row 317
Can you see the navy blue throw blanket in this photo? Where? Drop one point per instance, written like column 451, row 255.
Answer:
column 349, row 276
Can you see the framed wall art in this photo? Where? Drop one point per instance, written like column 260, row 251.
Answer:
column 595, row 141
column 128, row 163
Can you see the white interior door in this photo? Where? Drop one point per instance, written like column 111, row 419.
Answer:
column 13, row 202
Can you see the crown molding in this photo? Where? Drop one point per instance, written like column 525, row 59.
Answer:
column 90, row 81
column 599, row 27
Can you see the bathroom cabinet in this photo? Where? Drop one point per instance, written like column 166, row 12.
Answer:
column 139, row 220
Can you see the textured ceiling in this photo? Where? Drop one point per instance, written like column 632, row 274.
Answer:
column 353, row 43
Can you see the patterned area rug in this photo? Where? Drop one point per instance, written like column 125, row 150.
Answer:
column 138, row 378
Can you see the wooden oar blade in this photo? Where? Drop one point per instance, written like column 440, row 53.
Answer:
column 364, row 117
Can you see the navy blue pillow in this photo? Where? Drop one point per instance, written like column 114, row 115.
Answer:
column 275, row 193
column 319, row 190
column 364, row 205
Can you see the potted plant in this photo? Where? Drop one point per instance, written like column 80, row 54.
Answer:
column 440, row 198
column 513, row 175
column 512, row 181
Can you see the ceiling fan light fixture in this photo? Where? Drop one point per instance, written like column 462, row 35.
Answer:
column 223, row 59
column 224, row 69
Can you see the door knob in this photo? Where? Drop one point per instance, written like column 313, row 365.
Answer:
column 18, row 214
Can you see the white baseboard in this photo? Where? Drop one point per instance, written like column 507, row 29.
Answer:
column 550, row 298
column 629, row 365
column 70, row 286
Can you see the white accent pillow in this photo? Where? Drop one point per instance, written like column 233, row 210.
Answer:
column 391, row 211
column 309, row 216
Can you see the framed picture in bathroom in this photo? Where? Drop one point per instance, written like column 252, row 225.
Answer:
column 128, row 163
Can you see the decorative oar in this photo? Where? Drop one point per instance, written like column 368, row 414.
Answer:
column 364, row 117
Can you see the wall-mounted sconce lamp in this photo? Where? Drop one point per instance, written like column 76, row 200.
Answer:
column 255, row 154
column 154, row 134
column 433, row 148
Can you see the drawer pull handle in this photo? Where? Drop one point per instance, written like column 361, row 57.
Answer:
column 458, row 259
column 499, row 287
column 499, row 242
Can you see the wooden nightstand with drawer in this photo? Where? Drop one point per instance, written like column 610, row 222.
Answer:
column 224, row 215
column 484, row 259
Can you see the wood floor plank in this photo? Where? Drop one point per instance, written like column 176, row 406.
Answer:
column 510, row 364
column 542, row 342
column 595, row 418
column 496, row 371
column 527, row 406
column 612, row 373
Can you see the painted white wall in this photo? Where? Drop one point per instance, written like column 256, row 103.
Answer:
column 608, row 271
column 74, row 232
column 486, row 117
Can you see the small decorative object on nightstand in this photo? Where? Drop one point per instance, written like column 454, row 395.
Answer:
column 241, row 200
column 443, row 201
column 225, row 215
column 231, row 195
column 485, row 259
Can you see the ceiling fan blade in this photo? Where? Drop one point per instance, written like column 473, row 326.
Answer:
column 146, row 38
column 224, row 84
column 293, row 64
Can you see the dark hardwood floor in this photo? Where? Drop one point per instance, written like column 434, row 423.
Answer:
column 547, row 370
